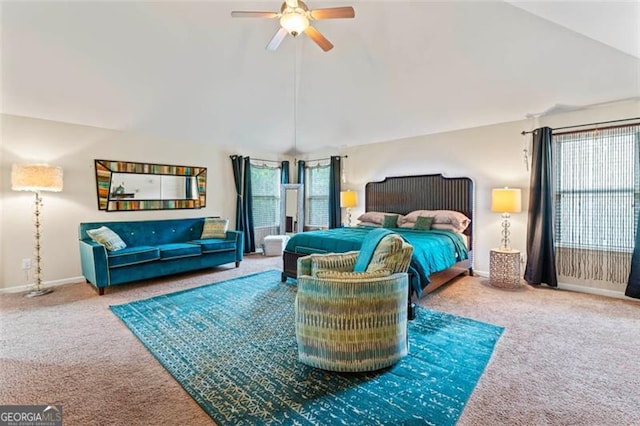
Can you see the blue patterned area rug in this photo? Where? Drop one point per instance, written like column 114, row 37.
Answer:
column 232, row 346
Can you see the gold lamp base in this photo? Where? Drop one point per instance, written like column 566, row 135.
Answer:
column 39, row 292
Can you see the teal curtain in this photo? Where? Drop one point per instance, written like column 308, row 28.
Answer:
column 335, row 214
column 247, row 202
column 541, row 259
column 302, row 168
column 236, row 164
column 284, row 172
column 187, row 188
column 633, row 285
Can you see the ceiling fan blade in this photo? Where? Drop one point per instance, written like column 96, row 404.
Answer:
column 333, row 13
column 292, row 3
column 243, row 14
column 320, row 40
column 277, row 39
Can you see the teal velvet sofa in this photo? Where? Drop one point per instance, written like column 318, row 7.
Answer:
column 154, row 248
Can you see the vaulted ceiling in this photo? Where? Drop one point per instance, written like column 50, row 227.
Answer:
column 188, row 71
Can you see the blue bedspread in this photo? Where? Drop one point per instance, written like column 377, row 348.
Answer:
column 433, row 250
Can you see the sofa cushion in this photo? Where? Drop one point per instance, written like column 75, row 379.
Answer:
column 176, row 250
column 212, row 245
column 132, row 256
column 106, row 237
column 214, row 228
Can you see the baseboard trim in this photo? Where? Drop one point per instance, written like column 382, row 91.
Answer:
column 578, row 288
column 46, row 284
column 596, row 291
column 483, row 274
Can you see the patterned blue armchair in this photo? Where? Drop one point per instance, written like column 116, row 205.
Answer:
column 351, row 308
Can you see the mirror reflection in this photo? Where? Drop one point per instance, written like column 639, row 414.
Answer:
column 152, row 187
column 291, row 208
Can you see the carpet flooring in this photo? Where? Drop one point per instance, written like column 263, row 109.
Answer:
column 564, row 358
column 232, row 346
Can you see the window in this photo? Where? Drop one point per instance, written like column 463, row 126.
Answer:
column 597, row 198
column 597, row 188
column 265, row 186
column 316, row 189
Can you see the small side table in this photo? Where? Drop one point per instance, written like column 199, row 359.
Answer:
column 504, row 268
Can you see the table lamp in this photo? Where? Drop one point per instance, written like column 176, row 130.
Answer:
column 348, row 199
column 506, row 201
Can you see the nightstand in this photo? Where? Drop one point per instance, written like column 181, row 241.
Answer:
column 504, row 268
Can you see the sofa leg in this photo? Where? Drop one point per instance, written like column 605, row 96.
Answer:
column 237, row 264
column 101, row 291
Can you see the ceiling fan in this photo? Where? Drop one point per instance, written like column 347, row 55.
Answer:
column 295, row 18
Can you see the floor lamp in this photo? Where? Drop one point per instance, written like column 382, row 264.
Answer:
column 348, row 199
column 36, row 178
column 506, row 201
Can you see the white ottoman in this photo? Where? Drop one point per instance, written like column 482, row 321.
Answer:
column 273, row 245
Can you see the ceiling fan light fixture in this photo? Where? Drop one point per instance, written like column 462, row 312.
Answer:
column 294, row 22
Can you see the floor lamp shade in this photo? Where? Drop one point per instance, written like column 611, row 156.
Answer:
column 36, row 177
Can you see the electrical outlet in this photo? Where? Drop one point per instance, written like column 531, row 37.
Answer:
column 26, row 263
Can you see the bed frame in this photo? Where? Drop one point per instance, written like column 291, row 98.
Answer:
column 404, row 194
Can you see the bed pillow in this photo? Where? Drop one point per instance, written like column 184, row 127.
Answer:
column 376, row 217
column 423, row 223
column 107, row 238
column 214, row 227
column 449, row 217
column 390, row 221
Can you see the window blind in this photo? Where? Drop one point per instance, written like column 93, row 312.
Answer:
column 597, row 197
column 265, row 186
column 317, row 195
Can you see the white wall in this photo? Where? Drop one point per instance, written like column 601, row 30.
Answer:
column 492, row 156
column 75, row 148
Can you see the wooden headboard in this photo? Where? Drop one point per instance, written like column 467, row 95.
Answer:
column 404, row 194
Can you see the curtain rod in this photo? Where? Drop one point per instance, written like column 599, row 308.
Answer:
column 328, row 158
column 265, row 161
column 583, row 125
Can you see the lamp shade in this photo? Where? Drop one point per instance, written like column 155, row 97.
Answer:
column 506, row 200
column 348, row 199
column 36, row 177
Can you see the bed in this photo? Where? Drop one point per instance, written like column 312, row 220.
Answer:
column 403, row 195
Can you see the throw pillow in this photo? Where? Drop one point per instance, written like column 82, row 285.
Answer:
column 423, row 223
column 107, row 238
column 332, row 262
column 332, row 275
column 214, row 227
column 390, row 221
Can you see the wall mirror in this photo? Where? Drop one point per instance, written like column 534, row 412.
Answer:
column 123, row 185
column 292, row 206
